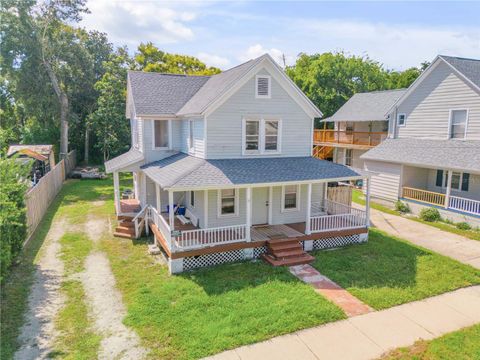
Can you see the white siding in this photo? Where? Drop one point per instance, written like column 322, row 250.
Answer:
column 224, row 126
column 215, row 221
column 428, row 106
column 385, row 182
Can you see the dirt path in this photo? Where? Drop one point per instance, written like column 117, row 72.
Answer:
column 38, row 333
column 105, row 301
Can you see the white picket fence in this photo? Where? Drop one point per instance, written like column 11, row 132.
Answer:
column 39, row 197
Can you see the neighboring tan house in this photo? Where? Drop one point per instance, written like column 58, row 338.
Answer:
column 223, row 169
column 42, row 158
column 359, row 125
column 432, row 156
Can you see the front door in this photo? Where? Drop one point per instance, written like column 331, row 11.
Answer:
column 259, row 205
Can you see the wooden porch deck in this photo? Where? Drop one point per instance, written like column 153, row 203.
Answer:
column 130, row 206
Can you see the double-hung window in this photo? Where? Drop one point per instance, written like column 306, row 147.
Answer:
column 261, row 136
column 161, row 134
column 401, row 119
column 460, row 181
column 290, row 197
column 348, row 157
column 190, row 135
column 458, row 124
column 227, row 202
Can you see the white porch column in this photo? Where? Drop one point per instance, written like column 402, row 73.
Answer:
column 309, row 209
column 116, row 190
column 449, row 189
column 249, row 213
column 367, row 201
column 171, row 215
column 270, row 205
column 143, row 190
column 205, row 208
column 159, row 201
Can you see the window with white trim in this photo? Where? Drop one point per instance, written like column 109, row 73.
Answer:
column 348, row 157
column 401, row 119
column 458, row 124
column 263, row 86
column 290, row 197
column 228, row 202
column 192, row 198
column 190, row 134
column 460, row 181
column 161, row 134
column 262, row 136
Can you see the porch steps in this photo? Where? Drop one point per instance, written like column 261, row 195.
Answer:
column 286, row 252
column 125, row 228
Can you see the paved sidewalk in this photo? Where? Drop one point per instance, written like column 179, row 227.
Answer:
column 369, row 336
column 455, row 246
column 351, row 305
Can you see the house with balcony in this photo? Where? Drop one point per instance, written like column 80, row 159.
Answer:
column 358, row 126
column 222, row 170
column 432, row 154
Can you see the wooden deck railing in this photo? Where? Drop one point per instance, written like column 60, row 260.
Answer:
column 425, row 196
column 162, row 225
column 329, row 215
column 366, row 138
column 211, row 236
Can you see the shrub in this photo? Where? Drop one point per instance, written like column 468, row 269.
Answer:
column 430, row 214
column 13, row 228
column 463, row 226
column 402, row 207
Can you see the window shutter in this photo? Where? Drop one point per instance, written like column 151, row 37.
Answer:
column 262, row 86
column 465, row 179
column 439, row 178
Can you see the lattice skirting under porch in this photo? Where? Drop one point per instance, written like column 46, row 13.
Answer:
column 259, row 251
column 213, row 259
column 335, row 242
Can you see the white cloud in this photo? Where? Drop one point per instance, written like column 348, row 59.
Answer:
column 214, row 60
column 257, row 50
column 396, row 45
column 129, row 22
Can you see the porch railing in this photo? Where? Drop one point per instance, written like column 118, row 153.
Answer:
column 466, row 205
column 139, row 221
column 458, row 203
column 368, row 138
column 425, row 196
column 329, row 215
column 211, row 236
column 162, row 225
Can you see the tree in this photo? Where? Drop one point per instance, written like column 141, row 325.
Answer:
column 330, row 79
column 108, row 122
column 149, row 58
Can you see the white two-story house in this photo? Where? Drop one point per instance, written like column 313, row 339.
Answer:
column 223, row 169
column 432, row 154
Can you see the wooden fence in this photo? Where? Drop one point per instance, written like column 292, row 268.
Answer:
column 39, row 197
column 340, row 194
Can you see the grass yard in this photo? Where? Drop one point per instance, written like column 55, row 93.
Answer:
column 206, row 311
column 461, row 345
column 388, row 271
column 474, row 234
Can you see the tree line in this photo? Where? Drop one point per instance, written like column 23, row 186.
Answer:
column 61, row 84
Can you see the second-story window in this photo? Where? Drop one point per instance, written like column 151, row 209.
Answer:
column 190, row 135
column 401, row 119
column 458, row 124
column 262, row 136
column 161, row 134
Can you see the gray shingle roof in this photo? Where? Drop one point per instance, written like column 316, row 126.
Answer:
column 183, row 171
column 155, row 93
column 470, row 68
column 129, row 158
column 446, row 154
column 371, row 106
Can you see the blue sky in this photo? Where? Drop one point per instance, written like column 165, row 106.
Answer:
column 225, row 33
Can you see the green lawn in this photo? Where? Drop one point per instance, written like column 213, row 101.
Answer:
column 474, row 234
column 206, row 311
column 460, row 345
column 387, row 271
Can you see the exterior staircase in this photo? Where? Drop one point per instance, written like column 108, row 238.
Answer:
column 322, row 152
column 286, row 252
column 125, row 228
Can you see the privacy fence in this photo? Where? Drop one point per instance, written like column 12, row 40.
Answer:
column 39, row 197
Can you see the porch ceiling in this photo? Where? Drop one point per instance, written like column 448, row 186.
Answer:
column 181, row 171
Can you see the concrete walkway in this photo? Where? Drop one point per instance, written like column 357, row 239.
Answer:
column 455, row 246
column 351, row 305
column 369, row 336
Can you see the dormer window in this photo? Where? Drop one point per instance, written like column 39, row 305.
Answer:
column 263, row 87
column 401, row 119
